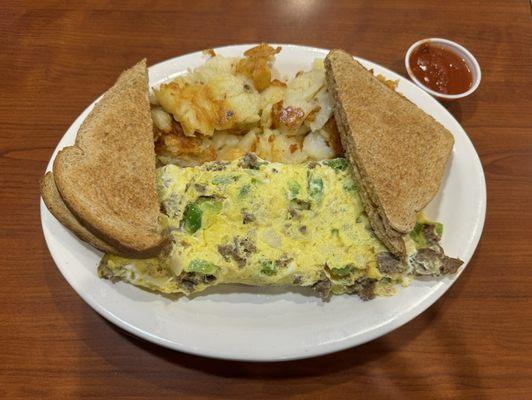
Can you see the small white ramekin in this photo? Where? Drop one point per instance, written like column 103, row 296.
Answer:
column 462, row 52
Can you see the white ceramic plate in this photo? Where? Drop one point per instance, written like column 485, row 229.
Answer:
column 266, row 324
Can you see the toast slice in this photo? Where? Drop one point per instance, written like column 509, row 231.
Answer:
column 57, row 207
column 397, row 152
column 107, row 179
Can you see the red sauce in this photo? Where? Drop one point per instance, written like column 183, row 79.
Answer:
column 440, row 69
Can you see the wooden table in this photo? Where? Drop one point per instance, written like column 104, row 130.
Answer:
column 56, row 57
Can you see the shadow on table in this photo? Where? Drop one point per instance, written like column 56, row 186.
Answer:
column 273, row 370
column 311, row 367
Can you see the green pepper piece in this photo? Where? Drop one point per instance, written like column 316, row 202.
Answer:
column 342, row 272
column 204, row 208
column 315, row 188
column 417, row 235
column 244, row 190
column 267, row 268
column 338, row 164
column 224, row 179
column 202, row 267
column 350, row 188
column 192, row 218
column 293, row 189
column 439, row 228
column 300, row 205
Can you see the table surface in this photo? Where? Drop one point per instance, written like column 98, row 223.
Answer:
column 56, row 57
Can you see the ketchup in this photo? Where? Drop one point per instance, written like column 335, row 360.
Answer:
column 440, row 69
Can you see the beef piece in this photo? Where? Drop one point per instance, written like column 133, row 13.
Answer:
column 296, row 206
column 171, row 204
column 225, row 250
column 248, row 217
column 387, row 263
column 293, row 213
column 283, row 261
column 216, row 166
column 431, row 236
column 432, row 262
column 364, row 288
column 208, row 278
column 238, row 251
column 367, row 291
column 427, row 254
column 300, row 204
column 199, row 187
column 189, row 280
column 323, row 288
column 246, row 244
column 427, row 261
column 240, row 259
column 450, row 265
column 250, row 161
column 104, row 271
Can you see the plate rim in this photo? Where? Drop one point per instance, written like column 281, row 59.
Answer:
column 346, row 342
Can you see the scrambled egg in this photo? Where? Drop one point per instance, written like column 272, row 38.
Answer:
column 260, row 223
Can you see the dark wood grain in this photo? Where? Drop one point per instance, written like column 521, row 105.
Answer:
column 56, row 57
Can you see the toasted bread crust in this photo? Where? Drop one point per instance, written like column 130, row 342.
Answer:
column 397, row 152
column 391, row 239
column 57, row 207
column 107, row 179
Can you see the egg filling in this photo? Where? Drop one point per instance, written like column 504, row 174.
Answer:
column 258, row 223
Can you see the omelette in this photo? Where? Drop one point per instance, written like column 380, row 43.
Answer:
column 261, row 223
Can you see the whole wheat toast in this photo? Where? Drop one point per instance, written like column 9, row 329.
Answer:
column 107, row 179
column 397, row 152
column 57, row 207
